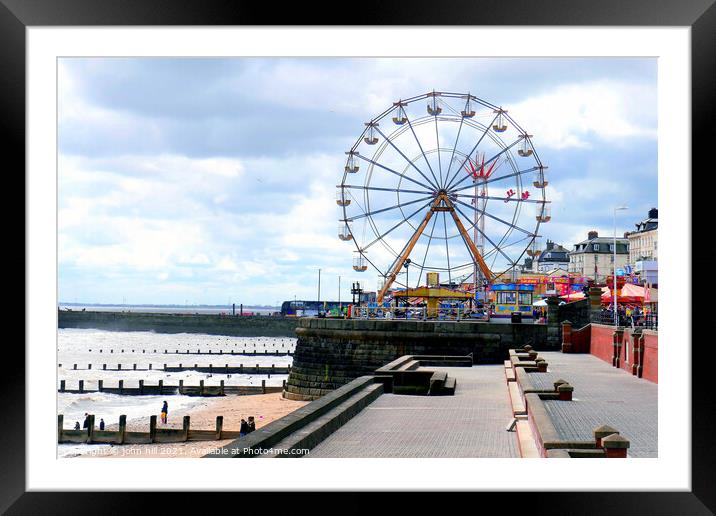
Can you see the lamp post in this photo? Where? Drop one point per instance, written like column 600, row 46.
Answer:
column 407, row 281
column 319, row 291
column 614, row 268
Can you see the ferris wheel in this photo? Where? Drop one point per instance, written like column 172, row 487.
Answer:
column 441, row 182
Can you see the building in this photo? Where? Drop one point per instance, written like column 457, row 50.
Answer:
column 593, row 258
column 554, row 256
column 643, row 241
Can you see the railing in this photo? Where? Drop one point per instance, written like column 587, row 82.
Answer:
column 418, row 313
column 645, row 321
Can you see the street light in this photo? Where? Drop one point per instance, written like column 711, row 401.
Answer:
column 614, row 268
column 407, row 281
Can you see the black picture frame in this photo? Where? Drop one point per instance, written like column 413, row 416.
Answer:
column 700, row 15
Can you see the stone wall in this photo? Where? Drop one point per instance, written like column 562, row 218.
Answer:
column 212, row 324
column 330, row 353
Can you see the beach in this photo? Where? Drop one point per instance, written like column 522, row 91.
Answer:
column 264, row 407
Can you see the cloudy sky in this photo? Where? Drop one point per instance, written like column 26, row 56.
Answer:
column 210, row 181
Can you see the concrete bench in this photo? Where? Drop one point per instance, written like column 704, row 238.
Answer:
column 411, row 365
column 437, row 381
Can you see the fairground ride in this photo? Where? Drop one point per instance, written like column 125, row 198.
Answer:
column 442, row 182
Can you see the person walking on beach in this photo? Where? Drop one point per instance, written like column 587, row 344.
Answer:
column 101, row 424
column 85, row 425
column 77, row 425
column 165, row 412
column 244, row 429
column 252, row 424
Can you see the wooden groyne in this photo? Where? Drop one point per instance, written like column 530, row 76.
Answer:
column 92, row 435
column 211, row 368
column 212, row 324
column 144, row 389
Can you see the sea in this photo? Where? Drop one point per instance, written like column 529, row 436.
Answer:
column 86, row 347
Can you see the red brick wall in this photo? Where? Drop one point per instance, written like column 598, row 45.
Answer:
column 602, row 343
column 651, row 356
column 580, row 339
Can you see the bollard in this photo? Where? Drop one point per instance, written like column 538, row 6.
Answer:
column 152, row 428
column 62, row 386
column 122, row 429
column 100, row 385
column 185, row 427
column 60, row 424
column 219, row 426
column 161, row 386
column 121, row 386
column 82, row 386
column 141, row 386
column 263, row 386
column 221, row 388
column 201, row 387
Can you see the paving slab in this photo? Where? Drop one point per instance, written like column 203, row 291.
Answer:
column 469, row 424
column 603, row 395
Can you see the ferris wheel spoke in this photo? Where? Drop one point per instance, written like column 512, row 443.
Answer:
column 506, row 199
column 397, row 190
column 495, row 218
column 410, row 124
column 437, row 146
column 447, row 248
column 427, row 248
column 494, row 245
column 494, row 179
column 368, row 214
column 467, row 156
column 380, row 237
column 435, row 186
column 493, row 158
column 394, row 172
column 454, row 147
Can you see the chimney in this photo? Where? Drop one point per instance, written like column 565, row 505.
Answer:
column 592, row 235
column 653, row 213
column 550, row 245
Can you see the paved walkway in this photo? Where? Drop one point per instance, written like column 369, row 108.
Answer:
column 603, row 395
column 469, row 424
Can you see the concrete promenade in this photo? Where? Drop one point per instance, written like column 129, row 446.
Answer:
column 603, row 395
column 469, row 424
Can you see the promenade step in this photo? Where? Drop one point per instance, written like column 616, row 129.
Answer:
column 313, row 433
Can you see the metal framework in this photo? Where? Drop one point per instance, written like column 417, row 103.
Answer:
column 449, row 156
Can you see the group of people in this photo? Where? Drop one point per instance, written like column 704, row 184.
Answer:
column 247, row 426
column 628, row 315
column 86, row 424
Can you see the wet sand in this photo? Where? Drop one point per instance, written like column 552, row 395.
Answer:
column 264, row 407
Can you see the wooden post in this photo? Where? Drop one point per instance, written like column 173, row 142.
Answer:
column 258, row 369
column 82, row 386
column 221, row 388
column 75, row 367
column 241, row 368
column 219, row 426
column 89, row 366
column 227, row 368
column 152, row 428
column 201, row 387
column 122, row 428
column 62, row 386
column 121, row 386
column 181, row 386
column 161, row 386
column 90, row 430
column 150, row 367
column 211, row 368
column 141, row 386
column 165, row 367
column 134, row 367
column 60, row 423
column 104, row 367
column 185, row 427
column 263, row 386
column 119, row 367
column 100, row 385
column 284, row 385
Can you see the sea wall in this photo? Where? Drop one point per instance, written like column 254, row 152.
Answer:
column 331, row 353
column 212, row 324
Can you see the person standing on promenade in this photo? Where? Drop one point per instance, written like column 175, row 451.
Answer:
column 101, row 424
column 252, row 424
column 244, row 429
column 165, row 412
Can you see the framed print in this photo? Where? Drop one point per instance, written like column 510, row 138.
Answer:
column 431, row 245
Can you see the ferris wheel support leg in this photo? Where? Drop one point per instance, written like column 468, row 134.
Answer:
column 404, row 256
column 487, row 273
